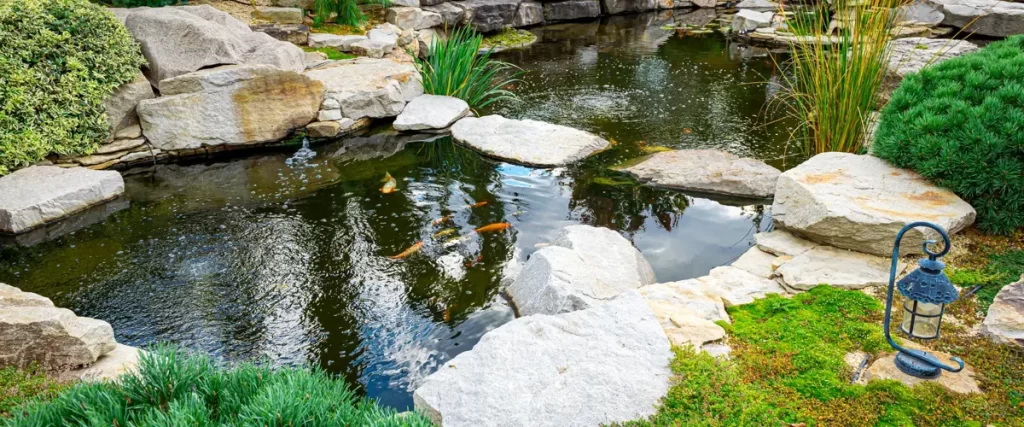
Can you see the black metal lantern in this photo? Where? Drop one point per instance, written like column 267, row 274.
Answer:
column 926, row 292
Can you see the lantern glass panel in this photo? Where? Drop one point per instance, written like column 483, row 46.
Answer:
column 921, row 319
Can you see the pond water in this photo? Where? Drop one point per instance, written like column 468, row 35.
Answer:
column 270, row 257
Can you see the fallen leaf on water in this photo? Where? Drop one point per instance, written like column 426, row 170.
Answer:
column 389, row 183
column 444, row 232
column 412, row 249
column 498, row 226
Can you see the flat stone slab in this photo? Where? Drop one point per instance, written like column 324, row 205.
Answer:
column 603, row 365
column 885, row 368
column 527, row 142
column 431, row 112
column 860, row 202
column 686, row 313
column 121, row 360
column 1005, row 320
column 583, row 266
column 911, row 54
column 736, row 286
column 825, row 265
column 366, row 87
column 342, row 43
column 756, row 262
column 783, row 243
column 985, row 17
column 38, row 195
column 708, row 171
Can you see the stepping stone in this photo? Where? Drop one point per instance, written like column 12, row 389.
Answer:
column 686, row 312
column 860, row 202
column 584, row 266
column 736, row 286
column 783, row 243
column 1005, row 320
column 431, row 112
column 885, row 368
column 527, row 142
column 603, row 365
column 825, row 265
column 756, row 262
column 38, row 195
column 341, row 43
column 708, row 171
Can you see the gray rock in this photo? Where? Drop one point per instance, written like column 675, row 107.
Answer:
column 584, row 266
column 37, row 195
column 615, row 7
column 747, row 20
column 32, row 331
column 408, row 3
column 758, row 5
column 412, row 18
column 488, row 15
column 757, row 262
column 230, row 105
column 911, row 54
column 121, row 145
column 120, row 361
column 984, row 17
column 736, row 286
column 302, row 4
column 825, row 265
column 529, row 13
column 180, row 40
column 708, row 171
column 451, row 14
column 604, row 365
column 130, row 132
column 341, row 43
column 279, row 15
column 527, row 142
column 921, row 11
column 426, row 39
column 861, row 202
column 686, row 313
column 1005, row 320
column 296, row 34
column 121, row 104
column 710, row 4
column 782, row 243
column 571, row 9
column 431, row 112
column 365, row 87
column 378, row 43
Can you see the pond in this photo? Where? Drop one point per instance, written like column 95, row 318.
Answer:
column 265, row 257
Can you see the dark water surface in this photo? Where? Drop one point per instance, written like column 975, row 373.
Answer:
column 259, row 257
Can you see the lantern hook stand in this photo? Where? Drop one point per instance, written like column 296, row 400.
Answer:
column 917, row 363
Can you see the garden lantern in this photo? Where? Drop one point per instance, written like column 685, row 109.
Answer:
column 926, row 291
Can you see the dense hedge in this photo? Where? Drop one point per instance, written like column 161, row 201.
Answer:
column 960, row 123
column 175, row 388
column 58, row 60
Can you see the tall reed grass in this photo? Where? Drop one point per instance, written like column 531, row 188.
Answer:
column 455, row 67
column 835, row 76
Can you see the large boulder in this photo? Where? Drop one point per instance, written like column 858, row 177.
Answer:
column 608, row 364
column 412, row 18
column 529, row 13
column 121, row 104
column 708, row 171
column 488, row 15
column 860, row 203
column 365, row 87
column 922, row 12
column 431, row 112
column 181, row 40
column 614, row 7
column 571, row 9
column 33, row 331
column 984, row 17
column 230, row 105
column 38, row 195
column 451, row 14
column 527, row 142
column 1005, row 320
column 747, row 20
column 582, row 267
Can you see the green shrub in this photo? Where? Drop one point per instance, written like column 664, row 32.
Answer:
column 455, row 68
column 175, row 388
column 960, row 123
column 59, row 59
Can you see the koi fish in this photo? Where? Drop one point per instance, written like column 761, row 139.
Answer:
column 441, row 219
column 687, row 130
column 444, row 232
column 474, row 262
column 498, row 226
column 477, row 205
column 412, row 249
column 455, row 241
column 389, row 183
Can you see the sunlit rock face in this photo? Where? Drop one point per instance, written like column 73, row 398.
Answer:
column 708, row 171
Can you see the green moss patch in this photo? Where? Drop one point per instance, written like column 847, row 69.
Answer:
column 18, row 386
column 509, row 37
column 332, row 53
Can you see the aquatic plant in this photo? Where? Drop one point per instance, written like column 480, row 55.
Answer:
column 59, row 59
column 456, row 68
column 959, row 123
column 345, row 12
column 834, row 82
column 174, row 387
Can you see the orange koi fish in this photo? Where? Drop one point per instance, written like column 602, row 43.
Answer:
column 441, row 219
column 475, row 261
column 389, row 183
column 498, row 226
column 477, row 205
column 412, row 249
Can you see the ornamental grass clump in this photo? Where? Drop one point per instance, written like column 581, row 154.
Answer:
column 176, row 388
column 59, row 59
column 960, row 123
column 835, row 79
column 456, row 68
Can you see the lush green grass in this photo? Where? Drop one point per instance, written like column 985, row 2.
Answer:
column 959, row 123
column 455, row 68
column 18, row 386
column 1001, row 270
column 787, row 368
column 173, row 388
column 332, row 53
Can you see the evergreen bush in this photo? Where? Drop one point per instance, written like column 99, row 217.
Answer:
column 59, row 59
column 960, row 123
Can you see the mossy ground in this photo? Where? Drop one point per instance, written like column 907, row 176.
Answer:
column 332, row 53
column 787, row 368
column 18, row 386
column 508, row 37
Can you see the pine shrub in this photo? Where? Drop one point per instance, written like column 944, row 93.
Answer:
column 59, row 59
column 960, row 123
